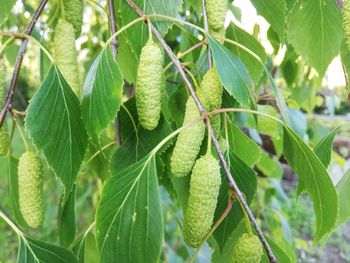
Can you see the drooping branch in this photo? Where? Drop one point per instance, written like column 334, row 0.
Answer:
column 115, row 45
column 215, row 142
column 19, row 61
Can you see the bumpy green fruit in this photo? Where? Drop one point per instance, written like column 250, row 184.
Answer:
column 73, row 13
column 188, row 142
column 204, row 191
column 346, row 21
column 4, row 135
column 216, row 12
column 30, row 189
column 211, row 90
column 149, row 85
column 66, row 55
column 248, row 249
column 4, row 140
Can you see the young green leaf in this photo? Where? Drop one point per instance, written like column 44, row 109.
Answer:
column 55, row 126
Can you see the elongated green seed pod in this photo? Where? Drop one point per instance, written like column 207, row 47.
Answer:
column 216, row 12
column 248, row 249
column 73, row 13
column 30, row 189
column 211, row 90
column 204, row 191
column 188, row 142
column 66, row 55
column 4, row 135
column 149, row 85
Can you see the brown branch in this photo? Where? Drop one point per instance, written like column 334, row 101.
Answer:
column 19, row 61
column 206, row 29
column 114, row 45
column 203, row 113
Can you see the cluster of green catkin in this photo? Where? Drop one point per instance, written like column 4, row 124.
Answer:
column 346, row 22
column 30, row 189
column 216, row 12
column 248, row 249
column 67, row 28
column 4, row 135
column 149, row 85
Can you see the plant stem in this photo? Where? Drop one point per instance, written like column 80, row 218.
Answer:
column 19, row 61
column 203, row 113
column 114, row 46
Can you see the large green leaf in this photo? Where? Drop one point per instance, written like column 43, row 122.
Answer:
column 239, row 35
column 6, row 6
column 343, row 189
column 315, row 31
column 102, row 94
column 56, row 128
column 274, row 12
column 314, row 179
column 36, row 251
column 232, row 72
column 129, row 223
column 137, row 35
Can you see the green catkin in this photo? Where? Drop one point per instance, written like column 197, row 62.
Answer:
column 4, row 135
column 30, row 189
column 188, row 142
column 73, row 13
column 204, row 191
column 211, row 89
column 149, row 85
column 216, row 12
column 248, row 249
column 346, row 22
column 66, row 55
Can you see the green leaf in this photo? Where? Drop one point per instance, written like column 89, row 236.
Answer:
column 345, row 58
column 274, row 13
column 136, row 144
column 244, row 147
column 55, row 126
column 36, row 251
column 129, row 223
column 246, row 180
column 277, row 251
column 137, row 35
column 232, row 72
column 5, row 10
column 239, row 35
column 314, row 179
column 102, row 94
column 13, row 191
column 269, row 166
column 343, row 188
column 324, row 148
column 67, row 226
column 86, row 249
column 315, row 31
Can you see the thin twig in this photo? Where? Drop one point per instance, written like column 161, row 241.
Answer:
column 206, row 29
column 19, row 61
column 203, row 113
column 114, row 45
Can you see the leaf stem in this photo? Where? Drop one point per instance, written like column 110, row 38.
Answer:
column 11, row 224
column 20, row 131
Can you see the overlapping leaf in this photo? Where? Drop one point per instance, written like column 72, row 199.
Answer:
column 56, row 128
column 102, row 94
column 315, row 31
column 129, row 223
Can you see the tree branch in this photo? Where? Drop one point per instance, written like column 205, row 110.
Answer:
column 114, row 45
column 19, row 61
column 203, row 113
